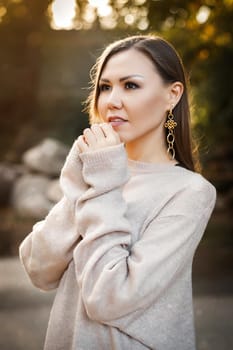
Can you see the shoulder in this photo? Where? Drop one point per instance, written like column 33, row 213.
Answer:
column 160, row 186
column 197, row 183
column 197, row 188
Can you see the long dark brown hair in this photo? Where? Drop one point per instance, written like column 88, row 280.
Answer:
column 170, row 67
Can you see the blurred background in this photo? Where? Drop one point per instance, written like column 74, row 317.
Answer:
column 47, row 50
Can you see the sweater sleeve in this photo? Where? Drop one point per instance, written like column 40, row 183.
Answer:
column 120, row 280
column 48, row 249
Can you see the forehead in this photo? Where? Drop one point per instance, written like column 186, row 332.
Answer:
column 128, row 62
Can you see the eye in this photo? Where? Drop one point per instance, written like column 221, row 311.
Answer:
column 104, row 87
column 131, row 85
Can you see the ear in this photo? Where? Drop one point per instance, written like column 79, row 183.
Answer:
column 175, row 92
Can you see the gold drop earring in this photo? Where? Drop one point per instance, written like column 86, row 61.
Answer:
column 170, row 125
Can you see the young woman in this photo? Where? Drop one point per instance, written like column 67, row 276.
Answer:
column 119, row 245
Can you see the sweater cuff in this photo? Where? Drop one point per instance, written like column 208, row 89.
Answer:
column 106, row 168
column 71, row 180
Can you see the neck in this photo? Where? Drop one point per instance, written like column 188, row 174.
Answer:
column 149, row 150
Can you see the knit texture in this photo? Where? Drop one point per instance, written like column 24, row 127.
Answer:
column 119, row 248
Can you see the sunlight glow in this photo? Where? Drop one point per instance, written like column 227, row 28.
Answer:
column 143, row 24
column 105, row 11
column 139, row 2
column 108, row 22
column 102, row 6
column 89, row 15
column 129, row 19
column 63, row 14
column 3, row 11
column 98, row 3
column 203, row 14
column 69, row 15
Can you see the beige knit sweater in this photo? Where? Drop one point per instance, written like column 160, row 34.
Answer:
column 119, row 248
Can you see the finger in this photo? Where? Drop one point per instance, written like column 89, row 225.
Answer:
column 109, row 132
column 107, row 129
column 98, row 131
column 90, row 137
column 82, row 145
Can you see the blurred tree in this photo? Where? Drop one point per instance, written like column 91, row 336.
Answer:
column 23, row 13
column 22, row 23
column 203, row 33
column 201, row 30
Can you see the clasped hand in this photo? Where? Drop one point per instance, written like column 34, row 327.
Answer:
column 98, row 136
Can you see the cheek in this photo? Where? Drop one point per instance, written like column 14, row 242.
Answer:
column 100, row 106
column 151, row 106
column 157, row 102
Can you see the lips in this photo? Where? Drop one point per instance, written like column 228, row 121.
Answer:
column 116, row 119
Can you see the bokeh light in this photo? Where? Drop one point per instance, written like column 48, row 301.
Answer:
column 203, row 14
column 63, row 14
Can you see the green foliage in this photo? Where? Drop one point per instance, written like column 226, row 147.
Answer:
column 207, row 51
column 201, row 31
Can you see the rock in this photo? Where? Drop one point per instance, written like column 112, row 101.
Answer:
column 54, row 192
column 8, row 174
column 29, row 196
column 47, row 157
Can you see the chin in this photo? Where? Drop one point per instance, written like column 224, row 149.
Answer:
column 123, row 138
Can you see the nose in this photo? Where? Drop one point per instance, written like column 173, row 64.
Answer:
column 114, row 100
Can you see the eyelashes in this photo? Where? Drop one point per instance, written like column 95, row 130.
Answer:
column 104, row 87
column 129, row 85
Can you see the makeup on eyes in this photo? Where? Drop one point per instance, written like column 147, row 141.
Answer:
column 126, row 79
column 129, row 85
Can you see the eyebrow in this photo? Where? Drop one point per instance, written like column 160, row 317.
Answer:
column 124, row 78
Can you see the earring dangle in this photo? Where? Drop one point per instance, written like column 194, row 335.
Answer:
column 170, row 125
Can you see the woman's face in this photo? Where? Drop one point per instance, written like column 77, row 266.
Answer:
column 133, row 97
